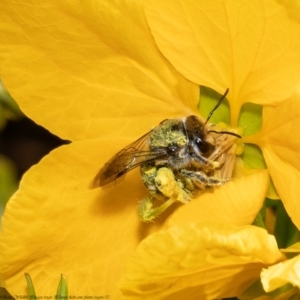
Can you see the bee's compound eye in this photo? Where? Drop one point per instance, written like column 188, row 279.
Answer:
column 203, row 146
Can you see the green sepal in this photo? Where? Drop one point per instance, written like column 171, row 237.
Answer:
column 62, row 289
column 31, row 291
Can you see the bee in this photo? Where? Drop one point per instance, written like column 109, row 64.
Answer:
column 177, row 159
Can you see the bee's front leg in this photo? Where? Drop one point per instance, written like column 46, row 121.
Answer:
column 203, row 162
column 201, row 179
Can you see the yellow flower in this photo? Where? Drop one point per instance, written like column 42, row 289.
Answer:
column 91, row 72
column 258, row 47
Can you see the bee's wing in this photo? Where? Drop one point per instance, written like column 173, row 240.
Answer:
column 127, row 159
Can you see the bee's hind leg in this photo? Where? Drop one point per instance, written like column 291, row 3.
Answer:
column 164, row 188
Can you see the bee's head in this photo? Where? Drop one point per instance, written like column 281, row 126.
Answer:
column 198, row 136
column 200, row 133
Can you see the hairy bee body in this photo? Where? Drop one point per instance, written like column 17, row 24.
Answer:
column 177, row 158
column 174, row 143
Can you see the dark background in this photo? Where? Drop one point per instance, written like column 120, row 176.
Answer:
column 25, row 143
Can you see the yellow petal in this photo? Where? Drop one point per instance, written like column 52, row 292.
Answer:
column 236, row 203
column 280, row 144
column 57, row 224
column 251, row 47
column 281, row 274
column 92, row 65
column 203, row 260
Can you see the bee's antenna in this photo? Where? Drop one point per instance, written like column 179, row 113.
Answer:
column 226, row 132
column 218, row 104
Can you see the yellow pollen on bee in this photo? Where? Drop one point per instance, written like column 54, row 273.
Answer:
column 167, row 184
